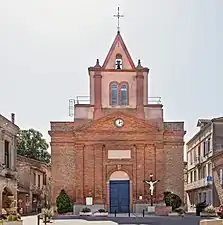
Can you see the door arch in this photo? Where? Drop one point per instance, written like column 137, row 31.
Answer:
column 119, row 192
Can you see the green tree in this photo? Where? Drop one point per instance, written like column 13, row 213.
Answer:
column 31, row 144
column 64, row 203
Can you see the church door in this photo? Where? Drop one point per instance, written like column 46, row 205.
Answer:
column 119, row 196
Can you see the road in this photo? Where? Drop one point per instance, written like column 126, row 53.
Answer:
column 151, row 220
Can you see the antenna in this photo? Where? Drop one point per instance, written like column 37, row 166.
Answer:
column 71, row 107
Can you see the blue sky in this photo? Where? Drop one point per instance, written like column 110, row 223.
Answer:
column 46, row 47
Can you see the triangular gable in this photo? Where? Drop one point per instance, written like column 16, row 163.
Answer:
column 107, row 123
column 118, row 47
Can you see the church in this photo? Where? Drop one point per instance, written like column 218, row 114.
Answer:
column 118, row 138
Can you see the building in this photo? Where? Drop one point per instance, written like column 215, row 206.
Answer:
column 117, row 140
column 8, row 152
column 33, row 184
column 205, row 164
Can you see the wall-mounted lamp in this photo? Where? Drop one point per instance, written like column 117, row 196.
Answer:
column 140, row 197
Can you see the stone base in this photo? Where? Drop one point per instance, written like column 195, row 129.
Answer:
column 205, row 214
column 85, row 213
column 173, row 214
column 151, row 209
column 13, row 222
column 211, row 222
column 94, row 208
column 101, row 214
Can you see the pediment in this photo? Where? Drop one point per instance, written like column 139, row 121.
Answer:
column 107, row 124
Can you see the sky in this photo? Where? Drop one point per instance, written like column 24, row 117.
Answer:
column 46, row 47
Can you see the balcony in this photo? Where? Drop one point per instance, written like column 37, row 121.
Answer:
column 35, row 189
column 8, row 173
column 199, row 183
column 85, row 100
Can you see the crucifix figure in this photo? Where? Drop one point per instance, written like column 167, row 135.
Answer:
column 118, row 16
column 151, row 183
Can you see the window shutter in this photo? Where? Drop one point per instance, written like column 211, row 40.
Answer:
column 221, row 176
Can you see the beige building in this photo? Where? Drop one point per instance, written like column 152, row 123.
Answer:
column 8, row 151
column 33, row 184
column 205, row 164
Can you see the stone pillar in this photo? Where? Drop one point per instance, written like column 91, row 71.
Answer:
column 160, row 170
column 97, row 94
column 140, row 171
column 98, row 173
column 140, row 94
column 79, row 174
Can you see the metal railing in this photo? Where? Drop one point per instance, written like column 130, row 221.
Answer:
column 86, row 100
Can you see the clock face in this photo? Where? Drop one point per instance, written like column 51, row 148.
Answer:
column 119, row 123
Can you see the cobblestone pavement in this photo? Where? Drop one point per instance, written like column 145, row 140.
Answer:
column 151, row 220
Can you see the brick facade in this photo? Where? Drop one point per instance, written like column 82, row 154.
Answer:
column 80, row 149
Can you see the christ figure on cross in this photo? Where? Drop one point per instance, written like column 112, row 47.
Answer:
column 151, row 183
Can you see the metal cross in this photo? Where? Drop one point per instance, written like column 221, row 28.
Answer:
column 118, row 16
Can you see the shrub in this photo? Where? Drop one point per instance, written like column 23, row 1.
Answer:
column 64, row 203
column 172, row 200
column 180, row 210
column 102, row 210
column 85, row 210
column 209, row 209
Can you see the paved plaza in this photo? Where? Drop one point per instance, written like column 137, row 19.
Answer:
column 123, row 219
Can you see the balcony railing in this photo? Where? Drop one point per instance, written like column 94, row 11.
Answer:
column 86, row 100
column 199, row 183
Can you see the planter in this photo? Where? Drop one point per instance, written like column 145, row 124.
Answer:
column 151, row 209
column 85, row 213
column 163, row 210
column 206, row 214
column 101, row 214
column 174, row 214
column 13, row 222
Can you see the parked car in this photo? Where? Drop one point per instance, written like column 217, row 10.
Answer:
column 220, row 211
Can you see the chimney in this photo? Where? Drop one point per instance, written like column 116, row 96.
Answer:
column 13, row 117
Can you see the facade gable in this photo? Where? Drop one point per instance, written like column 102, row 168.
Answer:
column 107, row 123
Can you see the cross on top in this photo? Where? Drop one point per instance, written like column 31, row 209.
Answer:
column 118, row 17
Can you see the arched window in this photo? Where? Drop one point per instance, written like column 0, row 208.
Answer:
column 118, row 62
column 114, row 93
column 124, row 94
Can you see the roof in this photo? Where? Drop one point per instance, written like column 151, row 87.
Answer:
column 119, row 40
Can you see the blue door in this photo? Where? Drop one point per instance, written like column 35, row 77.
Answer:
column 119, row 196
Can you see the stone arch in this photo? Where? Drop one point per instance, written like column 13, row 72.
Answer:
column 7, row 197
column 115, row 170
column 119, row 175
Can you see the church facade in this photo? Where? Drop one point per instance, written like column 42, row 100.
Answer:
column 117, row 140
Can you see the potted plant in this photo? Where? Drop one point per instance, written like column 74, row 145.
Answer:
column 47, row 215
column 13, row 220
column 85, row 212
column 220, row 211
column 101, row 212
column 209, row 211
column 12, row 217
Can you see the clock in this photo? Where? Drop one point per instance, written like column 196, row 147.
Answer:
column 119, row 123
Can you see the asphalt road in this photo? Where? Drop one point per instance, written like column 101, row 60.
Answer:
column 151, row 220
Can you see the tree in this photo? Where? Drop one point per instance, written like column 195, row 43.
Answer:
column 31, row 144
column 64, row 203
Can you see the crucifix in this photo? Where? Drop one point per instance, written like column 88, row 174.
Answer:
column 151, row 183
column 118, row 16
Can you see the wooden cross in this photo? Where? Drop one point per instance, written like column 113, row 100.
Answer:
column 118, row 17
